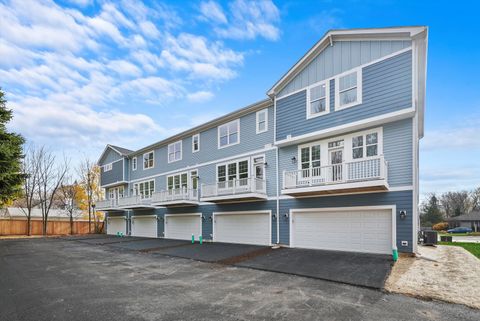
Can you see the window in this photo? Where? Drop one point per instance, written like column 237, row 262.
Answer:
column 178, row 180
column 134, row 164
column 231, row 171
column 348, row 89
column 107, row 167
column 262, row 121
column 175, row 151
column 318, row 100
column 195, row 143
column 229, row 134
column 194, row 179
column 144, row 189
column 148, row 160
column 365, row 145
column 310, row 157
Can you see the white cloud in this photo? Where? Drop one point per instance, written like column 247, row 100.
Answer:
column 200, row 96
column 212, row 11
column 246, row 19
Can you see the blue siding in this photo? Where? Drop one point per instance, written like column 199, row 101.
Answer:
column 112, row 176
column 403, row 201
column 398, row 151
column 208, row 210
column 110, row 156
column 340, row 57
column 387, row 87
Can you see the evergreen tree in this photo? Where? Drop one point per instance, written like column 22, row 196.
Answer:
column 11, row 176
column 431, row 212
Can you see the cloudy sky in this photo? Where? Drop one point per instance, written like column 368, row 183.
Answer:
column 80, row 74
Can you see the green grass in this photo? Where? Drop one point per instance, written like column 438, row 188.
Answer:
column 459, row 234
column 473, row 248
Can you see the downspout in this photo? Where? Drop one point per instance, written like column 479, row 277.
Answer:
column 276, row 165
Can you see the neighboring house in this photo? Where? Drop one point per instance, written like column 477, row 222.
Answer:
column 16, row 213
column 471, row 220
column 328, row 161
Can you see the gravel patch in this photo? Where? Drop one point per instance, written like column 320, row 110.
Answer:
column 448, row 273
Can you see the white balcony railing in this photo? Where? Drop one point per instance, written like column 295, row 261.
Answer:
column 176, row 194
column 235, row 187
column 136, row 201
column 105, row 204
column 348, row 172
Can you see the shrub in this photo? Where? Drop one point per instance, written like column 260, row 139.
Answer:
column 440, row 226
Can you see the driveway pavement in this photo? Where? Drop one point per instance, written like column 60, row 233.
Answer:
column 55, row 279
column 468, row 239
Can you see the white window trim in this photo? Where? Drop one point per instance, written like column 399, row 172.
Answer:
column 143, row 160
column 107, row 167
column 136, row 163
column 193, row 146
column 226, row 124
column 347, row 146
column 325, row 82
column 136, row 188
column 178, row 174
column 248, row 159
column 264, row 111
column 181, row 151
column 359, row 71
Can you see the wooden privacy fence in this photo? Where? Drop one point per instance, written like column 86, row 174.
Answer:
column 19, row 227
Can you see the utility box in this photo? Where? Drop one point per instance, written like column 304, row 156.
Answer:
column 430, row 237
column 446, row 238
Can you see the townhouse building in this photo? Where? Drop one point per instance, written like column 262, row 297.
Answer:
column 329, row 160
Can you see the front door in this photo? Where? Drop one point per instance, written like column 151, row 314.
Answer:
column 259, row 172
column 336, row 160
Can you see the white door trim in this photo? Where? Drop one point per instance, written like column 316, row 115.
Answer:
column 269, row 212
column 185, row 214
column 393, row 208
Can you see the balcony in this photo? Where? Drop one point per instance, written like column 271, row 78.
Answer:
column 107, row 205
column 233, row 190
column 135, row 202
column 176, row 197
column 366, row 175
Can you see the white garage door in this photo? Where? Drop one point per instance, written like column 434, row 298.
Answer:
column 144, row 226
column 245, row 228
column 349, row 230
column 116, row 225
column 182, row 226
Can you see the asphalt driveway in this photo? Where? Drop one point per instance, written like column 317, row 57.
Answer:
column 56, row 279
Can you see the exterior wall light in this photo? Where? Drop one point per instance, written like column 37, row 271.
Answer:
column 294, row 160
column 403, row 215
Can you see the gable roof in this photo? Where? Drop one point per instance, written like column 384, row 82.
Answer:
column 392, row 33
column 472, row 216
column 119, row 150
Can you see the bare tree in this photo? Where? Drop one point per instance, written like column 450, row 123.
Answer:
column 30, row 167
column 67, row 196
column 89, row 176
column 476, row 199
column 51, row 176
column 456, row 203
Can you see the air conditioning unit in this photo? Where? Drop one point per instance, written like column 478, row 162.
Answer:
column 430, row 237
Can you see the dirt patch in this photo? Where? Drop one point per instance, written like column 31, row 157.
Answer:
column 245, row 256
column 447, row 273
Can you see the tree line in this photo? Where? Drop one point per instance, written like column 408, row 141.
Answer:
column 32, row 177
column 437, row 208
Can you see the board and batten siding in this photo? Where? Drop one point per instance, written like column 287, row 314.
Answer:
column 402, row 200
column 387, row 87
column 209, row 151
column 342, row 56
column 114, row 175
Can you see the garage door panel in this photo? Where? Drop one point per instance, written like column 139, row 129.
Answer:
column 355, row 230
column 144, row 226
column 251, row 228
column 116, row 225
column 183, row 226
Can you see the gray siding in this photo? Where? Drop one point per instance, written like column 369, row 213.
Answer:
column 397, row 149
column 387, row 87
column 209, row 151
column 403, row 201
column 340, row 57
column 109, row 157
column 112, row 176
